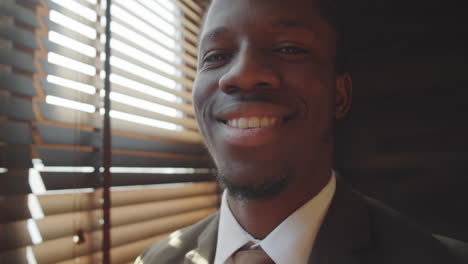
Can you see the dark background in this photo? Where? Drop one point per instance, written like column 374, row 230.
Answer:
column 405, row 141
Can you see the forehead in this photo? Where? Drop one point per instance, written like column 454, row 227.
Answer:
column 263, row 7
column 258, row 16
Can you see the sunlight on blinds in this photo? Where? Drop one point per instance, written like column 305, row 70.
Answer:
column 162, row 176
column 145, row 57
column 72, row 24
column 50, row 99
column 72, row 44
column 85, row 88
column 78, row 8
column 70, row 63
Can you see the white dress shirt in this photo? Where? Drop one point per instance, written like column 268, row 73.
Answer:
column 290, row 242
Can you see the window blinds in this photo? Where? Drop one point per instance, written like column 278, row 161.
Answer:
column 55, row 83
column 152, row 75
column 66, row 227
column 51, row 76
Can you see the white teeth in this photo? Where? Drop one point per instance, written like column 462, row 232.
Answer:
column 265, row 122
column 243, row 123
column 253, row 122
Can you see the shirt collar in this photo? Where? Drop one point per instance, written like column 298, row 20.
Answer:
column 231, row 236
column 296, row 233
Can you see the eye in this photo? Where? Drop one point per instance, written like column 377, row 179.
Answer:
column 291, row 50
column 216, row 58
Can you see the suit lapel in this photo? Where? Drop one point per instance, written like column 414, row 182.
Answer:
column 345, row 231
column 206, row 244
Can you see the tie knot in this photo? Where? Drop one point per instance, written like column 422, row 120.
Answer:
column 251, row 256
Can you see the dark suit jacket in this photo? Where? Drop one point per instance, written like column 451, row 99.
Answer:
column 355, row 230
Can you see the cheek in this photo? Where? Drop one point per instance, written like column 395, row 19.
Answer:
column 203, row 94
column 315, row 88
column 314, row 85
column 203, row 90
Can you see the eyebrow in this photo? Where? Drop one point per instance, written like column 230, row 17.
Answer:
column 212, row 35
column 283, row 23
column 290, row 23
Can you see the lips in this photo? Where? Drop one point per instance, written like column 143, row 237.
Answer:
column 252, row 111
column 252, row 123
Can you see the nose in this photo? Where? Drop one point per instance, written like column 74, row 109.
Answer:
column 248, row 70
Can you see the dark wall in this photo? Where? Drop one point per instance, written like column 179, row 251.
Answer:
column 405, row 141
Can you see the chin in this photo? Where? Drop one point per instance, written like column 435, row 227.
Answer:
column 253, row 184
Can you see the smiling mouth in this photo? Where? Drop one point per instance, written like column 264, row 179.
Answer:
column 253, row 122
column 253, row 115
column 256, row 122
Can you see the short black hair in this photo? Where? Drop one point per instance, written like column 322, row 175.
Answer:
column 328, row 9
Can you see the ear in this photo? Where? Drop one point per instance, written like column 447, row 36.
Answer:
column 343, row 95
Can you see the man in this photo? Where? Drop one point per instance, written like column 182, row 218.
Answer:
column 268, row 89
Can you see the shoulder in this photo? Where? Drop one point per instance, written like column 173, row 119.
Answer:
column 456, row 248
column 397, row 236
column 175, row 247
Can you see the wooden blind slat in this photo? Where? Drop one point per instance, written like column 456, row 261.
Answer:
column 158, row 145
column 18, row 35
column 68, row 157
column 187, row 34
column 16, row 107
column 65, row 115
column 68, row 73
column 15, row 132
column 16, row 234
column 152, row 159
column 74, row 156
column 17, row 83
column 72, row 15
column 122, row 72
column 67, row 93
column 186, row 108
column 194, row 6
column 20, row 13
column 65, row 249
column 15, row 181
column 185, row 23
column 14, row 156
column 191, row 60
column 17, row 59
column 16, row 207
column 187, row 11
column 69, row 53
column 121, row 254
column 88, row 4
column 62, row 180
column 52, row 26
column 54, row 134
column 186, row 122
column 184, row 81
column 180, row 136
column 195, row 28
column 190, row 72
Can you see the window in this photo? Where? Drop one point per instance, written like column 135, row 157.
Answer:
column 52, row 65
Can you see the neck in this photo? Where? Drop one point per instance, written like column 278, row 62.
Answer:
column 260, row 217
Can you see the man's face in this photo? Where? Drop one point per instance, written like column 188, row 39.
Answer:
column 264, row 95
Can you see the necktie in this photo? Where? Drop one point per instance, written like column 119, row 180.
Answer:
column 251, row 256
